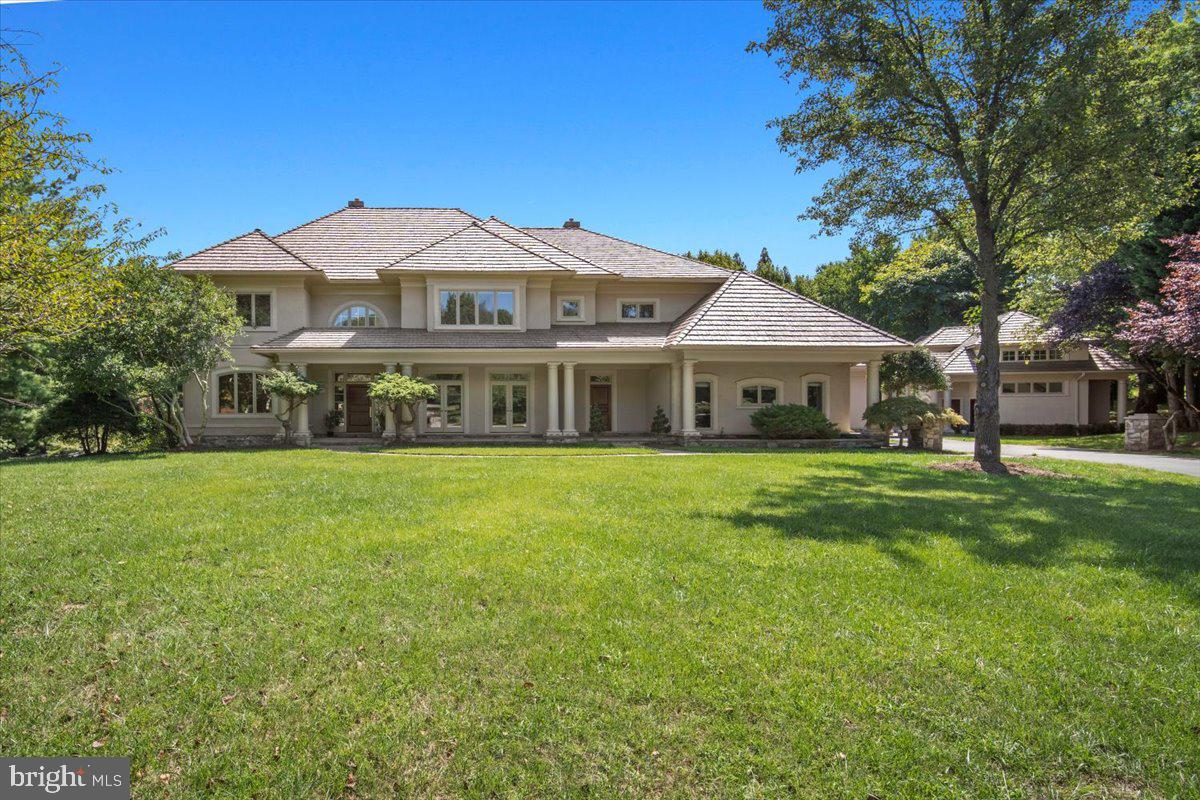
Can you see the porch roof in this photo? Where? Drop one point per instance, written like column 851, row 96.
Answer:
column 609, row 335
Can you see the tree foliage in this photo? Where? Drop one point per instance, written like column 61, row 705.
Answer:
column 90, row 419
column 994, row 124
column 398, row 391
column 293, row 390
column 165, row 330
column 911, row 371
column 719, row 258
column 766, row 268
column 61, row 245
column 908, row 412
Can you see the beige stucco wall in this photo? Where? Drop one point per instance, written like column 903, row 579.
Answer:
column 1084, row 401
column 673, row 298
column 328, row 300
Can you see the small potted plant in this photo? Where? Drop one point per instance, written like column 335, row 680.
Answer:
column 660, row 426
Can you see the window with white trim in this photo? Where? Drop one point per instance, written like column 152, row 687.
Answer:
column 254, row 308
column 1013, row 355
column 242, row 393
column 638, row 310
column 1032, row 387
column 759, row 392
column 357, row 315
column 814, row 391
column 478, row 308
column 570, row 309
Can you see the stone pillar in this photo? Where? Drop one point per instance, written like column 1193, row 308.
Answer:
column 552, row 429
column 302, row 435
column 389, row 419
column 1144, row 432
column 689, row 400
column 1122, row 398
column 568, row 428
column 676, row 410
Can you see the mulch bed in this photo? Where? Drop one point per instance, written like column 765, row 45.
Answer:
column 1014, row 469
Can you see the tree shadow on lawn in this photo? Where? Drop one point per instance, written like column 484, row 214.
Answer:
column 1131, row 523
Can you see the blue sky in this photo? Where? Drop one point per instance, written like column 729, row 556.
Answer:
column 644, row 120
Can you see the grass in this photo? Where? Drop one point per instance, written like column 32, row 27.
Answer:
column 1188, row 443
column 588, row 449
column 299, row 624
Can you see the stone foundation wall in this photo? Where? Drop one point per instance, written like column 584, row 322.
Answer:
column 228, row 441
column 1144, row 432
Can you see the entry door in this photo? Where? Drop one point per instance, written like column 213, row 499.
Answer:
column 601, row 398
column 358, row 409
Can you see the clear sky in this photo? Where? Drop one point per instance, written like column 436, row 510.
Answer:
column 643, row 120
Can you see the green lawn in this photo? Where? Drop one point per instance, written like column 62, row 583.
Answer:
column 585, row 449
column 1108, row 442
column 300, row 624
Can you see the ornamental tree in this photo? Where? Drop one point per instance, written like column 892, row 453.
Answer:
column 908, row 413
column 1168, row 332
column 910, row 372
column 293, row 389
column 993, row 125
column 397, row 392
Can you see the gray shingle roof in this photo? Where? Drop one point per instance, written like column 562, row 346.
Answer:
column 352, row 243
column 250, row 251
column 475, row 249
column 961, row 361
column 949, row 336
column 624, row 258
column 608, row 335
column 751, row 311
column 543, row 248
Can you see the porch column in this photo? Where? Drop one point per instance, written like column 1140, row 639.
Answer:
column 676, row 398
column 302, row 435
column 405, row 417
column 689, row 398
column 389, row 419
column 568, row 428
column 552, row 428
column 1122, row 393
column 872, row 383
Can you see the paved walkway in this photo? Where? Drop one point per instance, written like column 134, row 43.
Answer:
column 1182, row 466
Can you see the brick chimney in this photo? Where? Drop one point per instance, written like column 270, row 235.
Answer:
column 571, row 223
column 355, row 203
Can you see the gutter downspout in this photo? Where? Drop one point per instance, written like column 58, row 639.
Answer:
column 1078, row 396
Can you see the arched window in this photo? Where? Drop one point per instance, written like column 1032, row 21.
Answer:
column 814, row 390
column 759, row 392
column 358, row 315
column 242, row 393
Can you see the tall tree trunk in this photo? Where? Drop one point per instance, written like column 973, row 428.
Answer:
column 1147, row 395
column 1189, row 388
column 987, row 396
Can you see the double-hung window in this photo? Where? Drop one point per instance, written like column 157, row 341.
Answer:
column 477, row 307
column 254, row 308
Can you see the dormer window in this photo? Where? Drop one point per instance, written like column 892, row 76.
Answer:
column 638, row 310
column 357, row 316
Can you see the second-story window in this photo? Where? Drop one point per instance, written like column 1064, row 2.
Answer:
column 254, row 308
column 639, row 310
column 356, row 316
column 477, row 307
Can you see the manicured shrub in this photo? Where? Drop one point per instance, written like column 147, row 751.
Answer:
column 660, row 425
column 793, row 422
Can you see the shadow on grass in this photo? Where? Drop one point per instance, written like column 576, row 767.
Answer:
column 1144, row 525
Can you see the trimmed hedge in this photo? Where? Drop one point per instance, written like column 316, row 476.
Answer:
column 793, row 422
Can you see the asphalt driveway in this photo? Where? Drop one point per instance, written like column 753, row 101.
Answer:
column 1162, row 463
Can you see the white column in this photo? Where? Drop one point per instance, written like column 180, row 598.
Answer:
column 406, row 419
column 689, row 398
column 1122, row 393
column 568, row 428
column 552, row 428
column 872, row 383
column 676, row 398
column 389, row 419
column 303, row 434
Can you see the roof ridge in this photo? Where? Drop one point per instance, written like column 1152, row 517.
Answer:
column 381, row 208
column 841, row 314
column 289, row 252
column 243, row 236
column 551, row 246
column 702, row 308
column 431, row 244
column 479, row 224
column 646, row 246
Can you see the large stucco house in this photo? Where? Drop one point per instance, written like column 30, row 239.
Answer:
column 523, row 330
column 1041, row 385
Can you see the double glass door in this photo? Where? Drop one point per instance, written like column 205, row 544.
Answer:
column 509, row 401
column 445, row 414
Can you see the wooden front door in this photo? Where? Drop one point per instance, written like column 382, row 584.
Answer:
column 358, row 409
column 601, row 398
